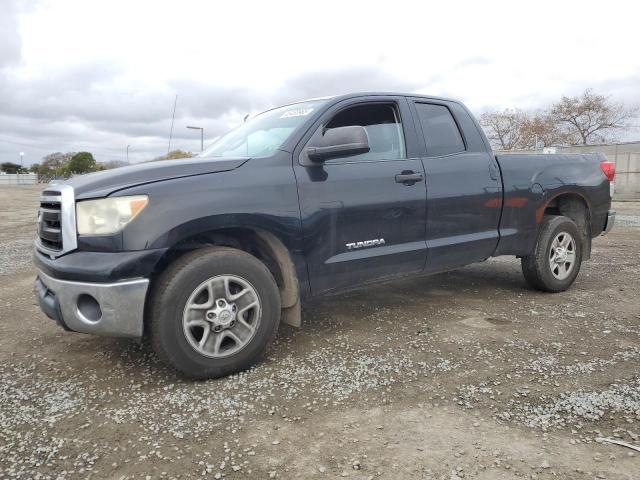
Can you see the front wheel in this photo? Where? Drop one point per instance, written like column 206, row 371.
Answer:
column 556, row 261
column 213, row 312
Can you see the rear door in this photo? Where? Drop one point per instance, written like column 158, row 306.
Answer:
column 464, row 190
column 361, row 220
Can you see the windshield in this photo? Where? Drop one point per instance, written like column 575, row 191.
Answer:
column 262, row 135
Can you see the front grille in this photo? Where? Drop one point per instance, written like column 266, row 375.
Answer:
column 50, row 221
column 56, row 234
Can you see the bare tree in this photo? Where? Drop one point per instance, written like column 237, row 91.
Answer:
column 54, row 163
column 175, row 155
column 518, row 129
column 590, row 117
column 539, row 128
column 504, row 129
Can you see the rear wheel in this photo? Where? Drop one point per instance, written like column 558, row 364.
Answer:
column 214, row 311
column 556, row 261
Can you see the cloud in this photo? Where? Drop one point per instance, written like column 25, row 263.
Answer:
column 207, row 100
column 110, row 80
column 84, row 104
column 471, row 62
column 78, row 91
column 87, row 105
column 340, row 81
column 11, row 41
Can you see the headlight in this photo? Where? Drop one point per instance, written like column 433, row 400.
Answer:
column 108, row 215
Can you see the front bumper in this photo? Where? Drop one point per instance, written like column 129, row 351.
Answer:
column 110, row 309
column 611, row 220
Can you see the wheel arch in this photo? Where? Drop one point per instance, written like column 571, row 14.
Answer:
column 262, row 244
column 575, row 206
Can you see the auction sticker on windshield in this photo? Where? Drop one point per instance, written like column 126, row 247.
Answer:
column 297, row 112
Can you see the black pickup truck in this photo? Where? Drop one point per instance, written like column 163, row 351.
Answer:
column 207, row 255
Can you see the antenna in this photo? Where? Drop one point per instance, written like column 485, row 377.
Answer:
column 175, row 102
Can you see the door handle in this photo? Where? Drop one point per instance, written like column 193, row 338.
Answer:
column 409, row 177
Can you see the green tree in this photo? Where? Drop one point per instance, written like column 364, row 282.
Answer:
column 81, row 162
column 34, row 168
column 10, row 167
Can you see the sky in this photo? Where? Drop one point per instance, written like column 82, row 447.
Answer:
column 100, row 75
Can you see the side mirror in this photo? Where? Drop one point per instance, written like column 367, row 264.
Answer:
column 340, row 142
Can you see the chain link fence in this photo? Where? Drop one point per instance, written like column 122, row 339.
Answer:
column 10, row 179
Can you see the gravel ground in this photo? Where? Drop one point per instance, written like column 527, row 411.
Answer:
column 468, row 374
column 628, row 220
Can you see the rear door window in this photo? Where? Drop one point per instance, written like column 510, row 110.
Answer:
column 441, row 133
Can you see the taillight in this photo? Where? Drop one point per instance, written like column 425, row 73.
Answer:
column 609, row 170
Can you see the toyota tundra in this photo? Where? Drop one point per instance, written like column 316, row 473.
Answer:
column 206, row 256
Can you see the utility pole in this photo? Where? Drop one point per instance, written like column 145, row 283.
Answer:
column 128, row 153
column 21, row 157
column 201, row 135
column 173, row 117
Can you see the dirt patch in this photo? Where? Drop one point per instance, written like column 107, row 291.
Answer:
column 482, row 321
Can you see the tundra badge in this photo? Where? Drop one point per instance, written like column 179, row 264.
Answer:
column 367, row 243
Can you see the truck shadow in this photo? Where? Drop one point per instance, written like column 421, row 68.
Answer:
column 332, row 314
column 414, row 293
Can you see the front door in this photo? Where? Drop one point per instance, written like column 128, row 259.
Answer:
column 363, row 216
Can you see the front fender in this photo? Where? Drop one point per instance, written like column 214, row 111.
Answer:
column 260, row 195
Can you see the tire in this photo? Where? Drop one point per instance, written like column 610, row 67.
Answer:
column 545, row 270
column 186, row 299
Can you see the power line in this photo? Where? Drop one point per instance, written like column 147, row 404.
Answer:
column 73, row 146
column 23, row 144
column 106, row 150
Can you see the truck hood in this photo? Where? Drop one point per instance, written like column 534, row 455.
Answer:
column 101, row 184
